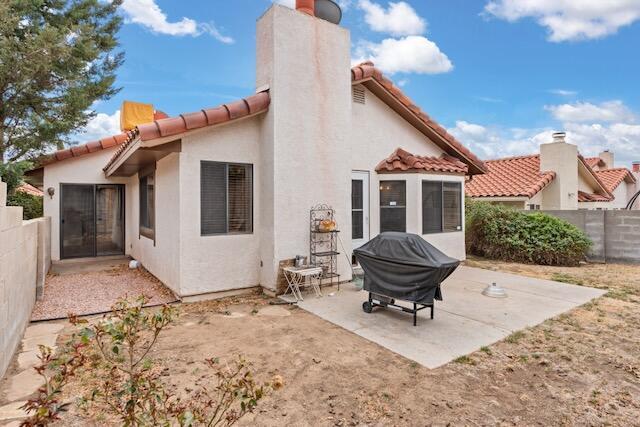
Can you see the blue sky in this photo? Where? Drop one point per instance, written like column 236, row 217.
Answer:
column 501, row 75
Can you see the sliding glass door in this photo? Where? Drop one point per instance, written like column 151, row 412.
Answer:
column 91, row 220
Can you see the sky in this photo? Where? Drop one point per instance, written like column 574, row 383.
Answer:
column 500, row 75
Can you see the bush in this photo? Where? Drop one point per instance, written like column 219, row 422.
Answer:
column 499, row 232
column 32, row 205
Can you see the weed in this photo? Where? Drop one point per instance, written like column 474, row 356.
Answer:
column 486, row 350
column 515, row 337
column 465, row 360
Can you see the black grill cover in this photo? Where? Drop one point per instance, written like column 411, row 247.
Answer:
column 404, row 266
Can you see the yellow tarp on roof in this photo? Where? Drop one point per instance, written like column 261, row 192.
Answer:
column 134, row 114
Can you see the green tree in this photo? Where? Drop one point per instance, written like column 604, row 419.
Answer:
column 57, row 57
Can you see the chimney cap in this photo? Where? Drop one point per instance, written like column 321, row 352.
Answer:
column 559, row 136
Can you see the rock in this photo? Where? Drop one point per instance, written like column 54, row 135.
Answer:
column 23, row 384
column 45, row 328
column 12, row 411
column 33, row 343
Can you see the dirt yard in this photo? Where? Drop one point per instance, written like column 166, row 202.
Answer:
column 582, row 368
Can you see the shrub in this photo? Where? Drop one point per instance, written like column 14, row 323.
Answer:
column 499, row 232
column 127, row 383
column 31, row 205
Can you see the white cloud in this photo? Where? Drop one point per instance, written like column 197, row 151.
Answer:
column 412, row 54
column 563, row 92
column 148, row 14
column 399, row 19
column 570, row 19
column 101, row 126
column 490, row 142
column 496, row 142
column 610, row 111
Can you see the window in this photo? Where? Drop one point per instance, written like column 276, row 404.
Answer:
column 357, row 209
column 441, row 206
column 534, row 207
column 147, row 203
column 226, row 198
column 393, row 206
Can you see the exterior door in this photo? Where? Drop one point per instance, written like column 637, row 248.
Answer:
column 359, row 208
column 91, row 220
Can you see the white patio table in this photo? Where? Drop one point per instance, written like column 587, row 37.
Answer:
column 298, row 277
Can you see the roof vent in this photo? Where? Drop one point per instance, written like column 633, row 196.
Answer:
column 559, row 136
column 358, row 94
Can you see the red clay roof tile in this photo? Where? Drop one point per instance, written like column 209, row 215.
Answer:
column 185, row 122
column 510, row 177
column 594, row 161
column 612, row 178
column 401, row 161
column 585, row 197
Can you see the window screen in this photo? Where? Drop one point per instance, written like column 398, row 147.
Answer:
column 147, row 205
column 226, row 198
column 431, row 207
column 393, row 206
column 441, row 206
column 357, row 209
column 451, row 206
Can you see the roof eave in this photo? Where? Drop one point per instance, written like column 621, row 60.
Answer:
column 382, row 92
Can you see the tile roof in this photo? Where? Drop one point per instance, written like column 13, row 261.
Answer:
column 589, row 197
column 171, row 126
column 612, row 178
column 403, row 161
column 90, row 147
column 367, row 70
column 27, row 188
column 510, row 177
column 594, row 161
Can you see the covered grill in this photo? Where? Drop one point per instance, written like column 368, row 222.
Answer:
column 403, row 266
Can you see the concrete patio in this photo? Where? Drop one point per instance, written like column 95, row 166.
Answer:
column 465, row 321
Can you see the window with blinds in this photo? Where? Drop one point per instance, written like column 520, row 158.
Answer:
column 226, row 198
column 393, row 206
column 441, row 206
column 147, row 204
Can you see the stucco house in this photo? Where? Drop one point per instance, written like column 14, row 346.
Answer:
column 211, row 202
column 558, row 178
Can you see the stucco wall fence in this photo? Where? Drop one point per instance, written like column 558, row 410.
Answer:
column 615, row 234
column 24, row 263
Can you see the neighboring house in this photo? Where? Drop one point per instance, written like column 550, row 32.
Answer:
column 29, row 189
column 213, row 201
column 558, row 178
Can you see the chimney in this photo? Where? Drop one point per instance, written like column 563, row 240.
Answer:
column 559, row 136
column 636, row 166
column 608, row 159
column 561, row 158
column 305, row 62
column 306, row 6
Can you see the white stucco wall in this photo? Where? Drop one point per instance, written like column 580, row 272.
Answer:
column 377, row 131
column 221, row 262
column 85, row 169
column 162, row 256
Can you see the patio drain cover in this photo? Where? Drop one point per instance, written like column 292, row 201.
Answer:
column 494, row 291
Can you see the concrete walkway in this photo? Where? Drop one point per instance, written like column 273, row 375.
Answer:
column 465, row 321
column 19, row 384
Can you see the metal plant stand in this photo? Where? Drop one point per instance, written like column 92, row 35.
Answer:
column 323, row 245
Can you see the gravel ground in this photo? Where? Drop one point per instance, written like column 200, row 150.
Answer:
column 95, row 292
